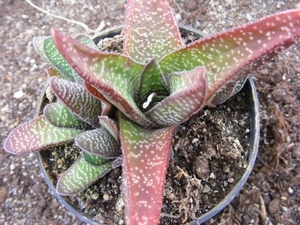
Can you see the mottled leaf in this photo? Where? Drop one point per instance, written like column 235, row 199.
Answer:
column 146, row 154
column 79, row 176
column 59, row 115
column 77, row 99
column 115, row 76
column 188, row 96
column 93, row 159
column 36, row 135
column 232, row 54
column 150, row 30
column 98, row 142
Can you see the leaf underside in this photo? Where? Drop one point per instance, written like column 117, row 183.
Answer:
column 77, row 99
column 36, row 135
column 79, row 176
column 232, row 54
column 98, row 142
column 146, row 154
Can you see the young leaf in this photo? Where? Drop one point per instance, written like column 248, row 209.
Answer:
column 232, row 54
column 152, row 81
column 98, row 142
column 59, row 115
column 146, row 154
column 188, row 96
column 77, row 99
column 36, row 135
column 150, row 30
column 79, row 176
column 114, row 76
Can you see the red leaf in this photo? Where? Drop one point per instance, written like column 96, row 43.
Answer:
column 146, row 154
column 150, row 30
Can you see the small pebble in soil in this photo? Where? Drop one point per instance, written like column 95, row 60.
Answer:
column 105, row 197
column 291, row 191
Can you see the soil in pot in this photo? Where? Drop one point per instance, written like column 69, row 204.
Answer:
column 210, row 155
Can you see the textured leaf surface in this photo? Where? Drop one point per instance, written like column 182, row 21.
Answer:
column 188, row 96
column 79, row 176
column 77, row 99
column 59, row 115
column 150, row 30
column 151, row 82
column 93, row 159
column 232, row 54
column 115, row 76
column 110, row 125
column 98, row 142
column 146, row 156
column 36, row 135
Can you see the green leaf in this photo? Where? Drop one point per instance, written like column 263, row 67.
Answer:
column 146, row 154
column 150, row 30
column 36, row 135
column 115, row 76
column 59, row 115
column 77, row 99
column 98, row 142
column 79, row 176
column 152, row 81
column 93, row 159
column 188, row 96
column 232, row 54
column 46, row 48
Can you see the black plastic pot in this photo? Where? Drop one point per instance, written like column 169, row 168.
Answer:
column 254, row 142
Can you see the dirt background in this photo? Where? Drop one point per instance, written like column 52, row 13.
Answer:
column 272, row 193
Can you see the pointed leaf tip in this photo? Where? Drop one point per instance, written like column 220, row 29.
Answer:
column 79, row 176
column 233, row 54
column 36, row 135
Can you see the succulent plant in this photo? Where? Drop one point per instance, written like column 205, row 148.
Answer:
column 122, row 108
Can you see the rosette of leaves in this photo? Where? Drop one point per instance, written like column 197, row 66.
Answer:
column 155, row 84
column 78, row 115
